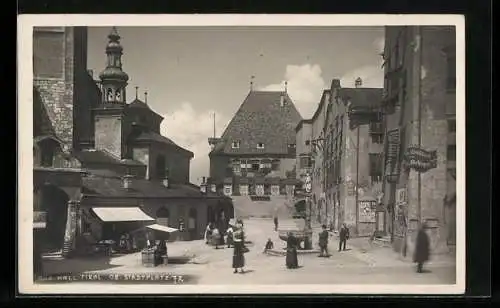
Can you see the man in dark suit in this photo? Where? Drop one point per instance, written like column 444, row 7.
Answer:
column 344, row 236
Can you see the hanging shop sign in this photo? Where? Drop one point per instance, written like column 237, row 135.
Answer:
column 401, row 196
column 419, row 159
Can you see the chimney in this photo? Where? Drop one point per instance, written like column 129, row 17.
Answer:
column 336, row 84
column 282, row 100
column 127, row 181
column 358, row 82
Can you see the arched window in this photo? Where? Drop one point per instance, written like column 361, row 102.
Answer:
column 162, row 216
column 160, row 167
column 47, row 149
column 192, row 219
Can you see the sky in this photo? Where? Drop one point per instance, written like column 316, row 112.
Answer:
column 190, row 73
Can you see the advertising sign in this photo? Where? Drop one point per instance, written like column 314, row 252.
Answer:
column 366, row 212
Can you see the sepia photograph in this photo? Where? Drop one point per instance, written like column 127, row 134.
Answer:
column 210, row 154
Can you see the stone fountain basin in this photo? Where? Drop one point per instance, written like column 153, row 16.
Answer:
column 299, row 235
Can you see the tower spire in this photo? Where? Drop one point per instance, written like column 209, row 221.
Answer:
column 113, row 78
column 286, row 86
column 146, row 97
column 214, row 124
column 136, row 92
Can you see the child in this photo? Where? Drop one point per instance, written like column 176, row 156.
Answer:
column 269, row 245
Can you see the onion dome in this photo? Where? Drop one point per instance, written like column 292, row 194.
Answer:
column 114, row 51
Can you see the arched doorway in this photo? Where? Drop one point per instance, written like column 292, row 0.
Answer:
column 54, row 202
column 45, row 151
column 193, row 224
column 162, row 216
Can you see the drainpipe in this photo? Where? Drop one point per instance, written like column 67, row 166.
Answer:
column 419, row 204
column 357, row 182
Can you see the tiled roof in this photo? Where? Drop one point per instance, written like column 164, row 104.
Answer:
column 155, row 137
column 261, row 119
column 109, row 185
column 137, row 103
column 102, row 157
column 362, row 97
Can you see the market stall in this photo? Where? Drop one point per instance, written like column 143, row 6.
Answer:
column 154, row 239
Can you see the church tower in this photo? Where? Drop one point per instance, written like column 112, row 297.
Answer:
column 113, row 78
column 110, row 122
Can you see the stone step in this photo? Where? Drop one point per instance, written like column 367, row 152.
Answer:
column 282, row 252
column 382, row 241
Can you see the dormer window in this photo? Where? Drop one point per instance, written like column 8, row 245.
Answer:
column 235, row 145
column 260, row 145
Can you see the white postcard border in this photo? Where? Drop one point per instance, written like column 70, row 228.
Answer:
column 25, row 140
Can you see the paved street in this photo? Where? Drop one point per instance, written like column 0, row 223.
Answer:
column 366, row 265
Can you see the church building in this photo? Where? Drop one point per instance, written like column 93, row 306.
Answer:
column 101, row 165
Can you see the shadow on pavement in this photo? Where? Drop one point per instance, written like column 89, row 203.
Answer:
column 76, row 265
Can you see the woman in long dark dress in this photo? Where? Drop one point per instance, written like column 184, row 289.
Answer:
column 422, row 248
column 291, row 251
column 238, row 253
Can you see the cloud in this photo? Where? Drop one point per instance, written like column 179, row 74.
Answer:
column 191, row 129
column 305, row 87
column 371, row 75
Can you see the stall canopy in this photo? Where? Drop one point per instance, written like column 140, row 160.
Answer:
column 162, row 228
column 119, row 214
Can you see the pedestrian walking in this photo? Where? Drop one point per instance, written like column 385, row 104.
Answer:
column 292, row 261
column 275, row 223
column 229, row 236
column 216, row 238
column 422, row 248
column 343, row 237
column 208, row 233
column 238, row 251
column 323, row 242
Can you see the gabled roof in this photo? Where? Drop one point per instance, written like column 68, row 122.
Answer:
column 137, row 104
column 261, row 119
column 102, row 157
column 150, row 136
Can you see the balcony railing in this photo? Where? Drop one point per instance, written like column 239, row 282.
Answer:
column 39, row 219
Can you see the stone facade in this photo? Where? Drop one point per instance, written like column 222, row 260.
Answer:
column 108, row 134
column 343, row 180
column 422, row 110
column 57, row 59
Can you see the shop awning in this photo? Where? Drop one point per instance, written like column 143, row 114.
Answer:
column 162, row 228
column 117, row 214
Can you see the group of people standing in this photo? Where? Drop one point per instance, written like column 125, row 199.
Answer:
column 235, row 237
column 323, row 240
